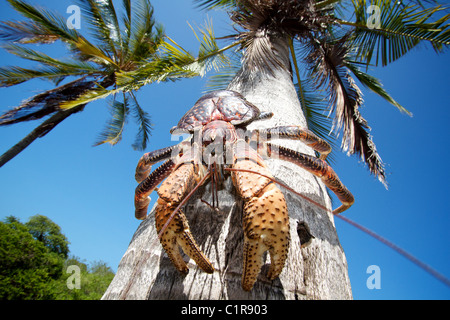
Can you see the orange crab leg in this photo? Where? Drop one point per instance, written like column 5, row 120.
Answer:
column 143, row 190
column 319, row 168
column 145, row 163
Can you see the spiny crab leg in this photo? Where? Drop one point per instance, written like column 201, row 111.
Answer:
column 296, row 133
column 317, row 167
column 145, row 163
column 146, row 187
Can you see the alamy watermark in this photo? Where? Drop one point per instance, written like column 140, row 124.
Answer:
column 374, row 19
column 74, row 280
column 74, row 20
column 374, row 280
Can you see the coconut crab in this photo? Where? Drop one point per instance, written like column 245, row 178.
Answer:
column 220, row 146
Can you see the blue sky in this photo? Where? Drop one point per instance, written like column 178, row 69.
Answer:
column 89, row 190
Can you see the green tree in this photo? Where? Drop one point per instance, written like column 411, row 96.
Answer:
column 34, row 264
column 49, row 233
column 94, row 280
column 27, row 267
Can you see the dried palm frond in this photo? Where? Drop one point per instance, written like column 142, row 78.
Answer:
column 326, row 60
column 47, row 102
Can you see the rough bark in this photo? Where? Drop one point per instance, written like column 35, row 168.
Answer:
column 317, row 271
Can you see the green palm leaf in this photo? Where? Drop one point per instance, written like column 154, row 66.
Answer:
column 213, row 4
column 25, row 32
column 54, row 26
column 173, row 62
column 112, row 133
column 399, row 30
column 145, row 34
column 374, row 85
column 104, row 24
column 209, row 56
column 46, row 22
column 145, row 125
column 96, row 93
column 12, row 75
column 33, row 55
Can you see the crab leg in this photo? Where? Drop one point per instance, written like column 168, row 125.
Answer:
column 319, row 168
column 143, row 190
column 145, row 163
column 265, row 220
column 297, row 133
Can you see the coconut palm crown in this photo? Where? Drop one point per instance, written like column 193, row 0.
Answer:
column 333, row 43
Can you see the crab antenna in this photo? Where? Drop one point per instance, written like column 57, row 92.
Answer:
column 215, row 185
column 183, row 202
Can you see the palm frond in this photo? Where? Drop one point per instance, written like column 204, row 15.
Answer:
column 126, row 35
column 400, row 29
column 209, row 56
column 25, row 32
column 313, row 104
column 145, row 34
column 173, row 62
column 316, row 110
column 221, row 78
column 11, row 75
column 46, row 102
column 96, row 93
column 326, row 61
column 112, row 133
column 374, row 85
column 55, row 26
column 33, row 55
column 90, row 52
column 46, row 22
column 213, row 4
column 145, row 125
column 104, row 24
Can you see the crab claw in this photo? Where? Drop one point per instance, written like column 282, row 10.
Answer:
column 176, row 235
column 172, row 225
column 266, row 228
column 265, row 222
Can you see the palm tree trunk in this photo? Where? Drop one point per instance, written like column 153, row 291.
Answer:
column 317, row 271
